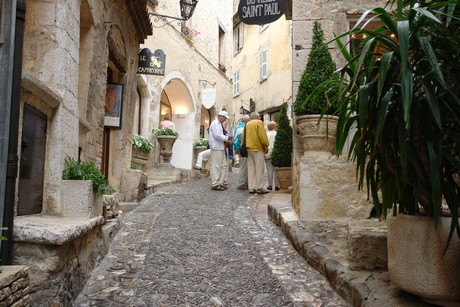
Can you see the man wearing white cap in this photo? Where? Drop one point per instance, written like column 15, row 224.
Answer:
column 216, row 140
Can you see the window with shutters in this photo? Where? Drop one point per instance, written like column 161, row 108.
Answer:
column 264, row 65
column 238, row 38
column 236, row 83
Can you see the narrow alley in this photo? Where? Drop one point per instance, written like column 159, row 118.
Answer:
column 186, row 245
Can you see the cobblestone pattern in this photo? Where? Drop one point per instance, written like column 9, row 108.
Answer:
column 189, row 246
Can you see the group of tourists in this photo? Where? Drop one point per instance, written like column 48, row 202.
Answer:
column 250, row 133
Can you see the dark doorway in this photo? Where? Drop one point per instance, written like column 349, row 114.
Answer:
column 32, row 163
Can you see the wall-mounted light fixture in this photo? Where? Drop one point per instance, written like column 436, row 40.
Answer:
column 252, row 106
column 206, row 82
column 187, row 7
column 181, row 112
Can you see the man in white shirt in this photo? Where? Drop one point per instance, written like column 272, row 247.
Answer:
column 217, row 139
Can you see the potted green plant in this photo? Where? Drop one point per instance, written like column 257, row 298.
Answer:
column 399, row 101
column 166, row 138
column 83, row 189
column 313, row 106
column 281, row 155
column 141, row 147
column 87, row 170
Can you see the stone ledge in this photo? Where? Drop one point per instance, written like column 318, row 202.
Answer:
column 52, row 230
column 324, row 245
column 368, row 245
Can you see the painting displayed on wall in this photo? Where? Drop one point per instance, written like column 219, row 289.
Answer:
column 113, row 106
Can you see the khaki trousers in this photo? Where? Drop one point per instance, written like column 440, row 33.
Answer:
column 256, row 167
column 243, row 172
column 219, row 167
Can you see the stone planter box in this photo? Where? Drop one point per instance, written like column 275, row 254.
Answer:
column 416, row 259
column 79, row 200
column 141, row 154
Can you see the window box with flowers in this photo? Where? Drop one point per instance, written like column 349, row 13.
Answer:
column 141, row 147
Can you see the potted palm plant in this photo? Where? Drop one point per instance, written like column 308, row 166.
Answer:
column 399, row 101
column 166, row 138
column 313, row 106
column 282, row 149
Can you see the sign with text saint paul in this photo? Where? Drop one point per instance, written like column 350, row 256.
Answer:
column 260, row 12
column 151, row 63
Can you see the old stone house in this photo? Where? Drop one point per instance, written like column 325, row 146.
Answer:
column 76, row 54
column 262, row 65
column 197, row 64
column 71, row 50
column 314, row 174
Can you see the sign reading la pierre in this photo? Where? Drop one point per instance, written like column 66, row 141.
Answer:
column 151, row 63
column 260, row 12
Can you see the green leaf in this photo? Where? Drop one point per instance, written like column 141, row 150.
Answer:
column 406, row 78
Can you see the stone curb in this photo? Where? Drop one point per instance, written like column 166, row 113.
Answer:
column 323, row 244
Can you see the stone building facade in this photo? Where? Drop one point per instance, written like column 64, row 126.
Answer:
column 198, row 59
column 72, row 49
column 75, row 52
column 262, row 65
column 323, row 186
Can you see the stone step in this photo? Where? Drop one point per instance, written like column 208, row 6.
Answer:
column 127, row 206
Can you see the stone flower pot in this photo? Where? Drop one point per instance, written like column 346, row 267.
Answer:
column 140, row 153
column 166, row 144
column 416, row 260
column 314, row 137
column 284, row 175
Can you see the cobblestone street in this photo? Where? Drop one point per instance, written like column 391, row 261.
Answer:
column 186, row 245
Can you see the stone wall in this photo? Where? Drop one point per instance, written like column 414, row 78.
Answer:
column 61, row 254
column 14, row 286
column 327, row 189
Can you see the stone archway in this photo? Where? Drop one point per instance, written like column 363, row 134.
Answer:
column 183, row 108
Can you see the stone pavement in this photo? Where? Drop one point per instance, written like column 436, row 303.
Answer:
column 324, row 244
column 186, row 245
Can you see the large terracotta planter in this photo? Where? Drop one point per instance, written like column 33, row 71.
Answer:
column 314, row 136
column 166, row 144
column 284, row 175
column 416, row 260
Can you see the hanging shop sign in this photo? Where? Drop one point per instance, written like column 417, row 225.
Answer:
column 151, row 63
column 208, row 97
column 260, row 12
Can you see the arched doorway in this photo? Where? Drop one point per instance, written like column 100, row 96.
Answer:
column 179, row 102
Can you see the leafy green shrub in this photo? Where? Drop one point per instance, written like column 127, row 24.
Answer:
column 311, row 97
column 165, row 131
column 74, row 170
column 142, row 143
column 282, row 149
column 201, row 142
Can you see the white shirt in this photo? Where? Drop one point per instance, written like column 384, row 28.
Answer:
column 216, row 136
column 271, row 141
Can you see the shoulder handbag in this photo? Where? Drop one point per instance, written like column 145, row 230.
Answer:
column 243, row 149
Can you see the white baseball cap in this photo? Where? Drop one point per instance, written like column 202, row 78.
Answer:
column 224, row 113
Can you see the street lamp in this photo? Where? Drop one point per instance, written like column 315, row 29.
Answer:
column 187, row 7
